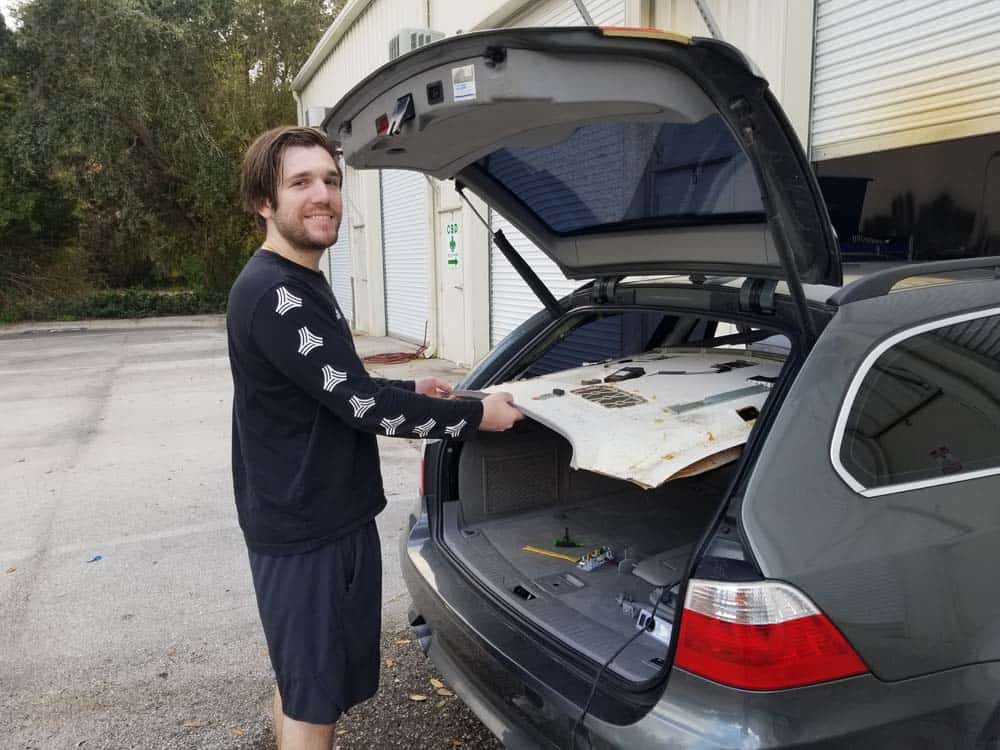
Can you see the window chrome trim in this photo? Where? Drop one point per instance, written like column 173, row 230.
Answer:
column 852, row 392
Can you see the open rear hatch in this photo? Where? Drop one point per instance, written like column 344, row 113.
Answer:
column 617, row 153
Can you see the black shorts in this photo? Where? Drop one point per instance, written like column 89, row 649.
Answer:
column 322, row 617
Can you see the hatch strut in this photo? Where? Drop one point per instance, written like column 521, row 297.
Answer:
column 520, row 264
column 584, row 13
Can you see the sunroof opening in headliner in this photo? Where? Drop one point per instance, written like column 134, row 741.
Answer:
column 620, row 173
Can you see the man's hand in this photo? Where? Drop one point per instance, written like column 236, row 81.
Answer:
column 499, row 412
column 433, row 387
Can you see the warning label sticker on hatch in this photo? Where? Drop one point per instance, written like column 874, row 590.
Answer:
column 463, row 83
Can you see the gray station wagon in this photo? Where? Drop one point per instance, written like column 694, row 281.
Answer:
column 751, row 507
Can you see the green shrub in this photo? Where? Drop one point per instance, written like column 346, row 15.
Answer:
column 115, row 303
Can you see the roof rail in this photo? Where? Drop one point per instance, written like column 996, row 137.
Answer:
column 881, row 282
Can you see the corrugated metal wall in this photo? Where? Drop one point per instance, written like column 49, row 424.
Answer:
column 893, row 74
column 362, row 49
column 511, row 301
column 564, row 13
column 406, row 242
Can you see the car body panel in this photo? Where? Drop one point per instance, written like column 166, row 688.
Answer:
column 533, row 88
column 520, row 692
column 907, row 577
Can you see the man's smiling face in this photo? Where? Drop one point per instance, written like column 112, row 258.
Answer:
column 307, row 215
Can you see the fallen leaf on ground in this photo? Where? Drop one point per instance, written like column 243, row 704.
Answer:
column 417, row 697
column 403, row 640
column 456, row 743
column 436, row 682
column 343, row 731
column 192, row 724
column 389, row 663
column 445, row 692
column 440, row 704
column 171, row 652
column 11, row 569
column 236, row 732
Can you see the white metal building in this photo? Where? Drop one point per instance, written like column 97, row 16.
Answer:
column 864, row 83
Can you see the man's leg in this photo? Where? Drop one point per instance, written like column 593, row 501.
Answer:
column 300, row 735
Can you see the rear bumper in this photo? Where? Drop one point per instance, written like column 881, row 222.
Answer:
column 519, row 689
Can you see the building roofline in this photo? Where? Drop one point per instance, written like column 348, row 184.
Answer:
column 341, row 24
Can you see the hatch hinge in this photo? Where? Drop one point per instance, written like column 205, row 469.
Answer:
column 757, row 296
column 494, row 55
column 603, row 289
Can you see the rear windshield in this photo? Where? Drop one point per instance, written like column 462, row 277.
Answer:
column 612, row 175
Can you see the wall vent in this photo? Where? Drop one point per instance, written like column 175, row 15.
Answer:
column 407, row 40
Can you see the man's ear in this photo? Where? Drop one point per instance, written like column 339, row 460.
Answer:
column 265, row 209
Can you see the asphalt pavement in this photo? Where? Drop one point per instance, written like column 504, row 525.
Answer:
column 127, row 615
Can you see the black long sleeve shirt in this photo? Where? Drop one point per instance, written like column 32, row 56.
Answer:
column 306, row 413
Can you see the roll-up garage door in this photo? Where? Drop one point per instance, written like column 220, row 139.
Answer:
column 564, row 13
column 903, row 73
column 341, row 267
column 406, row 241
column 511, row 301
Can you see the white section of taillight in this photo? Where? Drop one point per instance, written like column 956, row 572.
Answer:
column 757, row 603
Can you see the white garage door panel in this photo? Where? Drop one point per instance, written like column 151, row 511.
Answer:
column 511, row 300
column 340, row 265
column 406, row 240
column 893, row 74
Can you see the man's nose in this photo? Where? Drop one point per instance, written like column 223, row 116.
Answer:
column 319, row 192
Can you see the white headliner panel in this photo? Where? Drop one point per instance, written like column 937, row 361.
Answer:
column 682, row 418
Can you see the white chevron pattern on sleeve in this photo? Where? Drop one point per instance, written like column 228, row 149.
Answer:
column 456, row 429
column 332, row 378
column 390, row 425
column 361, row 405
column 308, row 341
column 286, row 301
column 424, row 429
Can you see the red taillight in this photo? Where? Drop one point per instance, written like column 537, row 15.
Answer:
column 382, row 124
column 762, row 635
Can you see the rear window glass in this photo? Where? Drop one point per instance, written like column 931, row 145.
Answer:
column 603, row 336
column 611, row 174
column 928, row 408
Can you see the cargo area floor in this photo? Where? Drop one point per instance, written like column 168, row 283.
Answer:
column 580, row 607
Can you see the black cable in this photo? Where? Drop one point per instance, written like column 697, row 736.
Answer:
column 600, row 673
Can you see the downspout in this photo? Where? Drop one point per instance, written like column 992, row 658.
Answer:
column 299, row 116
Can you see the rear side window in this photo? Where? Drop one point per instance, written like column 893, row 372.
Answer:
column 927, row 410
column 633, row 173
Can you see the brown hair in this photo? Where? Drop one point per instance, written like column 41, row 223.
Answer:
column 261, row 168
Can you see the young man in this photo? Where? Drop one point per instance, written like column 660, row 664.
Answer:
column 305, row 459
